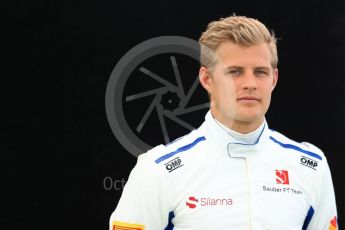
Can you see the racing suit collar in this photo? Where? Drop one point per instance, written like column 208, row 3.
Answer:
column 233, row 147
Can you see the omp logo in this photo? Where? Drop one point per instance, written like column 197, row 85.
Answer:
column 308, row 162
column 192, row 201
column 173, row 164
column 333, row 225
column 282, row 177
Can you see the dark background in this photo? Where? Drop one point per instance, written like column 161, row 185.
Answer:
column 57, row 57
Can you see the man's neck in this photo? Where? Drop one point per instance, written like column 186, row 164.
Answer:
column 243, row 127
column 240, row 126
column 248, row 137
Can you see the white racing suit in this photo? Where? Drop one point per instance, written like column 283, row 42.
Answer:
column 207, row 180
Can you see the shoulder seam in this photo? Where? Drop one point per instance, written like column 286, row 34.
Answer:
column 294, row 147
column 181, row 149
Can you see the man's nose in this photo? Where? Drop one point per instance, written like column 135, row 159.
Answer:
column 249, row 81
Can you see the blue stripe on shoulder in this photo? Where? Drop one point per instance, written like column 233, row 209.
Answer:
column 308, row 218
column 181, row 149
column 170, row 225
column 289, row 146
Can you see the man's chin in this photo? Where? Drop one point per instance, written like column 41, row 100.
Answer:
column 250, row 118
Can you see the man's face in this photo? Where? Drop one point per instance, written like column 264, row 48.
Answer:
column 240, row 85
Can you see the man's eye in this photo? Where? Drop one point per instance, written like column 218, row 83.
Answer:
column 234, row 72
column 261, row 73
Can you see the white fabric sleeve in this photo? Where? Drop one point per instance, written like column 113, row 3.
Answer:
column 325, row 210
column 145, row 199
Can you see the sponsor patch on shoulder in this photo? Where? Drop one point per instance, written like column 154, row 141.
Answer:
column 333, row 224
column 310, row 163
column 173, row 164
column 126, row 226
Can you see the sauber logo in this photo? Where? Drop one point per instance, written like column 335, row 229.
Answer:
column 333, row 224
column 282, row 177
column 192, row 202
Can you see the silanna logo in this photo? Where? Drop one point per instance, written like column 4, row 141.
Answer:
column 282, row 177
column 193, row 202
column 308, row 162
column 173, row 164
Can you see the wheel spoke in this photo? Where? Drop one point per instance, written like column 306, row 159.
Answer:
column 147, row 113
column 157, row 78
column 179, row 121
column 185, row 100
column 177, row 76
column 163, row 126
column 191, row 109
column 145, row 94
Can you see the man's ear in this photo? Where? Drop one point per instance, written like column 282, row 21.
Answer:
column 205, row 79
column 275, row 78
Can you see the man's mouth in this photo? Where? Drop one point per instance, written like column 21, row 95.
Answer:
column 248, row 99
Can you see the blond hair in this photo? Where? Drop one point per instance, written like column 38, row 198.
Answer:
column 238, row 29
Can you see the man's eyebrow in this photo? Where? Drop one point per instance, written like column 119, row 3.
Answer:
column 240, row 67
column 234, row 67
column 262, row 68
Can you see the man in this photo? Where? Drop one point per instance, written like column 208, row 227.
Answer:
column 233, row 172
